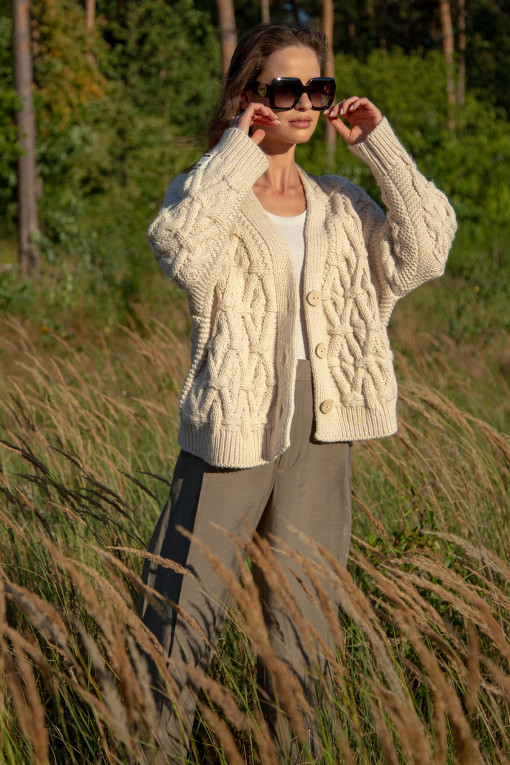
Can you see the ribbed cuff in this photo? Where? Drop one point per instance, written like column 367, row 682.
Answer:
column 242, row 160
column 381, row 149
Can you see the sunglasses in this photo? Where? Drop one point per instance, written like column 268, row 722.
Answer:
column 285, row 92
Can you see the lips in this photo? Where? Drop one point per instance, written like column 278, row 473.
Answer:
column 301, row 123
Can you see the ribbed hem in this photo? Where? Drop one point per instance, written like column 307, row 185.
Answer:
column 381, row 149
column 232, row 448
column 357, row 423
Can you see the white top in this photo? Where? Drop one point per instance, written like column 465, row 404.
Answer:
column 293, row 231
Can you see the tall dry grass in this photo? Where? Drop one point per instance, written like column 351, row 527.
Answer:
column 419, row 670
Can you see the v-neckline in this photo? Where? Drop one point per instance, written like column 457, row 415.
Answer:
column 307, row 188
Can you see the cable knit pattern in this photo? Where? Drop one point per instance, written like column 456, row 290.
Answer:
column 213, row 238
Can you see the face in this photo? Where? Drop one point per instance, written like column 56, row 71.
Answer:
column 298, row 124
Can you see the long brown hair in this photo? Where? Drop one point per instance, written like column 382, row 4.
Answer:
column 248, row 61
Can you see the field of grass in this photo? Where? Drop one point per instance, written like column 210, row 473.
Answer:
column 88, row 423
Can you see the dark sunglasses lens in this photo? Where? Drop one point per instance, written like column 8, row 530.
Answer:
column 284, row 95
column 321, row 94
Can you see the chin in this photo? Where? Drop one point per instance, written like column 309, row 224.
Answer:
column 295, row 135
column 304, row 136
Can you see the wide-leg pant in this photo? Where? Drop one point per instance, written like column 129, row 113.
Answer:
column 307, row 488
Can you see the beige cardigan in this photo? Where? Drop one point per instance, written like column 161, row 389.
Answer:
column 213, row 238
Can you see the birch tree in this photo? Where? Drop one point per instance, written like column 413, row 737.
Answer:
column 29, row 256
column 91, row 20
column 461, row 87
column 329, row 71
column 448, row 51
column 228, row 32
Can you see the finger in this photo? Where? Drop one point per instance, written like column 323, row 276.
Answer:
column 361, row 113
column 340, row 108
column 263, row 119
column 333, row 115
column 262, row 112
column 349, row 105
column 255, row 113
column 332, row 112
column 258, row 136
column 361, row 105
column 258, row 115
column 340, row 127
column 254, row 107
column 355, row 104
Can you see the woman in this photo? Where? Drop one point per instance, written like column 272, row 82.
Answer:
column 291, row 280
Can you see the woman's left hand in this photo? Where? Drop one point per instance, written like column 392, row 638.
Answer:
column 360, row 112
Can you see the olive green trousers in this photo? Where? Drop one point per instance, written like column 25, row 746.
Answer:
column 307, row 488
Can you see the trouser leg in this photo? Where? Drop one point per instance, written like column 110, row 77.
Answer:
column 312, row 493
column 308, row 487
column 200, row 495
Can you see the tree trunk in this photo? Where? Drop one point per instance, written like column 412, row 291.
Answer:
column 266, row 16
column 329, row 71
column 91, row 15
column 228, row 32
column 91, row 19
column 461, row 88
column 29, row 257
column 448, row 49
column 374, row 14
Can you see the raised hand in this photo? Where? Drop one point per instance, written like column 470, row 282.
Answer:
column 255, row 114
column 360, row 113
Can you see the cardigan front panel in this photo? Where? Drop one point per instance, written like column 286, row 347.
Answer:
column 237, row 401
column 359, row 355
column 247, row 351
column 245, row 385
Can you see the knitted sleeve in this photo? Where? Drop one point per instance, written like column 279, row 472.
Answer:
column 410, row 244
column 189, row 237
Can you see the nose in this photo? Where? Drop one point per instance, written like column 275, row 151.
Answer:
column 304, row 103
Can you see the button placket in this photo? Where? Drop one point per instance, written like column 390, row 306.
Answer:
column 313, row 298
column 321, row 350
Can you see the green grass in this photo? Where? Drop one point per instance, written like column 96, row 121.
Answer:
column 88, row 427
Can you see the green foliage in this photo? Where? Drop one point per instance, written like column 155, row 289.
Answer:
column 488, row 52
column 63, row 53
column 134, row 110
column 168, row 60
column 116, row 162
column 8, row 104
column 470, row 166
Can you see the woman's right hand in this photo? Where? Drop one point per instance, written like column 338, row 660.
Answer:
column 255, row 114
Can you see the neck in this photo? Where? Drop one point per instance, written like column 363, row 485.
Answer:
column 282, row 171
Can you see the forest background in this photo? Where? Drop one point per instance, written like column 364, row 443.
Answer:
column 122, row 106
column 93, row 351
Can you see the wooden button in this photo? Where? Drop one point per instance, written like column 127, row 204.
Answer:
column 327, row 406
column 321, row 350
column 314, row 297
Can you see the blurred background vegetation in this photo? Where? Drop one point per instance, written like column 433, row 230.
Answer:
column 122, row 106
